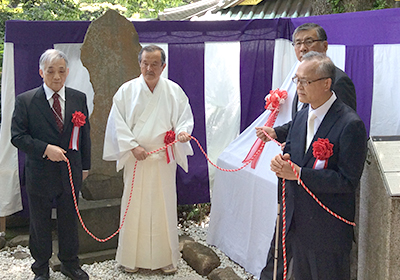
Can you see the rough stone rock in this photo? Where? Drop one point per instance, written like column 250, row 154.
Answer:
column 200, row 258
column 2, row 242
column 20, row 255
column 226, row 273
column 183, row 239
column 110, row 53
column 22, row 240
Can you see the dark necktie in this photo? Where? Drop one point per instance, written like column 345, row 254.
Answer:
column 57, row 112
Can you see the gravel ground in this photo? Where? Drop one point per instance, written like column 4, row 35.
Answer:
column 12, row 268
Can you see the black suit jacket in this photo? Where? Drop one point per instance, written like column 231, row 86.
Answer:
column 334, row 186
column 344, row 90
column 33, row 127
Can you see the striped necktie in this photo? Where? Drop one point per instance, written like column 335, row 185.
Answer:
column 57, row 112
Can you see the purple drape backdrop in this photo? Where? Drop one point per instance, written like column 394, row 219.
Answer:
column 186, row 67
column 190, row 77
column 359, row 31
column 256, row 63
column 360, row 58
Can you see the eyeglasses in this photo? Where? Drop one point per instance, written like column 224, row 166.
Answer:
column 308, row 43
column 305, row 83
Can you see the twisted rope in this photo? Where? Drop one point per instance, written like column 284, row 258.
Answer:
column 131, row 191
column 222, row 169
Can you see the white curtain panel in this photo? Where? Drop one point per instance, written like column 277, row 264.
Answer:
column 10, row 201
column 337, row 54
column 284, row 59
column 222, row 97
column 385, row 113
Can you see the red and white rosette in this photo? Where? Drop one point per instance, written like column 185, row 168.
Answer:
column 78, row 119
column 273, row 101
column 168, row 139
column 322, row 151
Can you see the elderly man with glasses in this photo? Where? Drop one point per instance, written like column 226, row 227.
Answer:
column 306, row 38
column 321, row 240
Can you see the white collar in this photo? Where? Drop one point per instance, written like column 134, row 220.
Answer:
column 49, row 92
column 321, row 111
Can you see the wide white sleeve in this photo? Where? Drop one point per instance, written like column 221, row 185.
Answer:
column 119, row 139
column 185, row 123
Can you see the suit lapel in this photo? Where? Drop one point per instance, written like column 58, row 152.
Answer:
column 294, row 105
column 298, row 136
column 326, row 126
column 69, row 108
column 44, row 108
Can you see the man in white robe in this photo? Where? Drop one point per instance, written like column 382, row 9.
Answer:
column 143, row 110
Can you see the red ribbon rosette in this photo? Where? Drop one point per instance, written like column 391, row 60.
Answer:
column 273, row 101
column 78, row 119
column 168, row 139
column 322, row 151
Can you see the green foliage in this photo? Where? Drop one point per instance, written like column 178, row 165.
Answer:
column 193, row 212
column 337, row 6
column 380, row 4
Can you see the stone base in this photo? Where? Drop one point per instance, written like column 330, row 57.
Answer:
column 102, row 219
column 99, row 187
column 87, row 258
column 379, row 225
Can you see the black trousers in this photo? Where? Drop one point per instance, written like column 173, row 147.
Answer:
column 40, row 240
column 317, row 264
column 268, row 271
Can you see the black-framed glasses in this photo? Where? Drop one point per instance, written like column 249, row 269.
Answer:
column 307, row 42
column 304, row 82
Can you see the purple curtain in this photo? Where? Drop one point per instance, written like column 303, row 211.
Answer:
column 192, row 186
column 360, row 68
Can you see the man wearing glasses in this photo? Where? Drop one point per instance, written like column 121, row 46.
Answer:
column 320, row 241
column 307, row 37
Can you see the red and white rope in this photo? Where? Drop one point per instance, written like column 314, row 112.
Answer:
column 131, row 191
column 222, row 169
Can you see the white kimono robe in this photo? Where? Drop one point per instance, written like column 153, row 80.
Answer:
column 149, row 237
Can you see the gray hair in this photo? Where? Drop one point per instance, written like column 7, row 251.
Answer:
column 51, row 55
column 326, row 68
column 310, row 26
column 152, row 48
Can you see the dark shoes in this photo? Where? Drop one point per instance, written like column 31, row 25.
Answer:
column 42, row 277
column 74, row 273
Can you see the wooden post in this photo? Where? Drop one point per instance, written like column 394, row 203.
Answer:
column 2, row 224
column 275, row 276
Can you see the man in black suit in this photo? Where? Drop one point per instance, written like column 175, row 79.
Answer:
column 321, row 243
column 307, row 37
column 42, row 126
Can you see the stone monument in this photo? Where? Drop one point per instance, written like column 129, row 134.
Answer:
column 110, row 53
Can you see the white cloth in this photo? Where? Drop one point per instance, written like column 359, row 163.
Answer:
column 244, row 203
column 149, row 237
column 10, row 201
